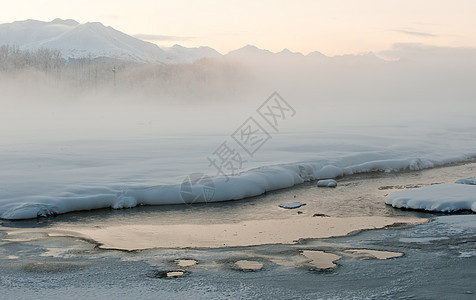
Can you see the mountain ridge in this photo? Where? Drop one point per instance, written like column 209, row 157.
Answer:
column 93, row 39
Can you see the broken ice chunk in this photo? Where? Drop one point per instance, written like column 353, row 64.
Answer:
column 469, row 180
column 292, row 205
column 327, row 183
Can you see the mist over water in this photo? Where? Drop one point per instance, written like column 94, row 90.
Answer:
column 85, row 133
column 216, row 95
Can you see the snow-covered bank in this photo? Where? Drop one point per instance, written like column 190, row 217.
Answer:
column 57, row 180
column 439, row 197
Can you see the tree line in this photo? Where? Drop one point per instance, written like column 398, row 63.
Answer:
column 12, row 58
column 94, row 72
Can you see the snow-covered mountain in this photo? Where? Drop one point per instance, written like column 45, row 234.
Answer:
column 189, row 55
column 249, row 51
column 93, row 39
column 253, row 54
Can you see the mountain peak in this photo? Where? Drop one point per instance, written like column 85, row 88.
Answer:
column 69, row 22
column 316, row 55
column 286, row 51
column 249, row 46
column 96, row 25
column 248, row 50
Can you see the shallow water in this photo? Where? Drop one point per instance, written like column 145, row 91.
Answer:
column 441, row 268
column 35, row 265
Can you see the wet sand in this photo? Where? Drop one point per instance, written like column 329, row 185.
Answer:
column 321, row 259
column 372, row 254
column 247, row 233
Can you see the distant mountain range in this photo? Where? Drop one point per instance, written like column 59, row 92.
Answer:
column 76, row 40
column 95, row 40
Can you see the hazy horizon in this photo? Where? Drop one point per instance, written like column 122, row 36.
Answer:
column 301, row 26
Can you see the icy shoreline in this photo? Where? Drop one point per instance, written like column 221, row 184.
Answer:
column 247, row 184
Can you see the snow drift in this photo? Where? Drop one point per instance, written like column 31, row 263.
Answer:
column 436, row 198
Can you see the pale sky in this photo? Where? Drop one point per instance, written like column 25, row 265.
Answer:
column 332, row 27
